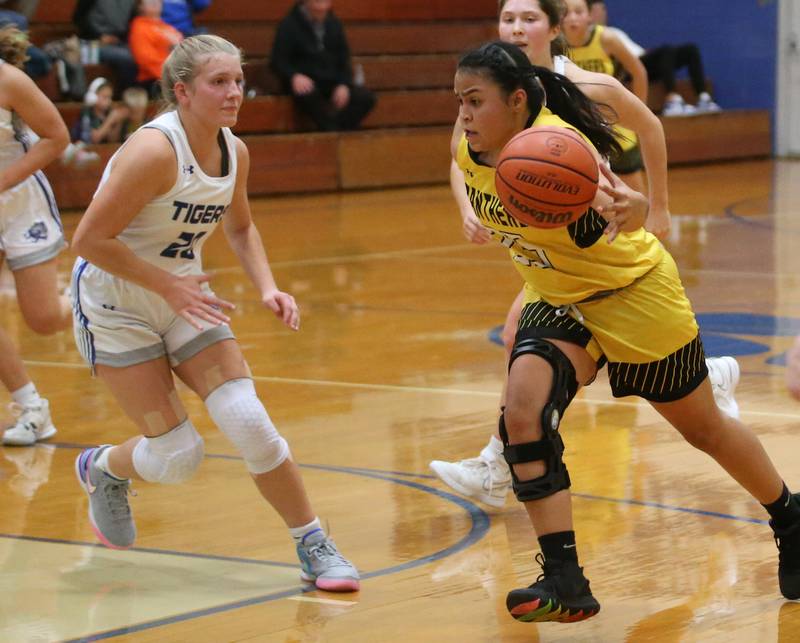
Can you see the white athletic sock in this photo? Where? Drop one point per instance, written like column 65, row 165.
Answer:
column 27, row 395
column 299, row 533
column 102, row 464
column 493, row 450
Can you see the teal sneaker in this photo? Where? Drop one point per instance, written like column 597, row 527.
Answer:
column 322, row 564
column 109, row 511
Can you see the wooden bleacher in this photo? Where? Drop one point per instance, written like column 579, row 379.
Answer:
column 408, row 50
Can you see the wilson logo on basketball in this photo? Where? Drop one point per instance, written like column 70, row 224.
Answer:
column 553, row 185
column 549, row 218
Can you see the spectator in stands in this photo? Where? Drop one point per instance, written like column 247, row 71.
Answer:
column 312, row 58
column 661, row 64
column 38, row 63
column 151, row 40
column 100, row 120
column 26, row 7
column 107, row 21
column 180, row 14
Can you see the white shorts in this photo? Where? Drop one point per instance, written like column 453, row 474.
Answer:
column 30, row 228
column 118, row 323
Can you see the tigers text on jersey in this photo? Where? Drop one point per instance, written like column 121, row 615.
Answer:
column 170, row 231
column 564, row 265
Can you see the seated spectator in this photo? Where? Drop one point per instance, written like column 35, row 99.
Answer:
column 100, row 120
column 661, row 64
column 26, row 7
column 107, row 21
column 312, row 58
column 136, row 100
column 38, row 63
column 151, row 40
column 180, row 14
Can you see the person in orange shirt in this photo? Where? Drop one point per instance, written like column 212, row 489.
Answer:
column 151, row 40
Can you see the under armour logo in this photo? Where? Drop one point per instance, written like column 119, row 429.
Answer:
column 188, row 169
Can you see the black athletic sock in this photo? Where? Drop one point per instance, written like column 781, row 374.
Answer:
column 559, row 546
column 785, row 511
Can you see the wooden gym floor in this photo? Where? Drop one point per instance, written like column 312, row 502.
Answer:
column 395, row 366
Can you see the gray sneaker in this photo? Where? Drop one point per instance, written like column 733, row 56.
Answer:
column 322, row 564
column 33, row 425
column 109, row 511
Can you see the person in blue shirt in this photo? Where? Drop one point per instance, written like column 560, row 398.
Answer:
column 180, row 14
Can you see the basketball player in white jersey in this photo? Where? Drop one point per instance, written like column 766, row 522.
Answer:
column 144, row 311
column 31, row 236
column 534, row 26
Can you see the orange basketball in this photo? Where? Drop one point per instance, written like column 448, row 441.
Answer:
column 546, row 176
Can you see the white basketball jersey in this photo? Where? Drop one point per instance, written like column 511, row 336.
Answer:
column 170, row 230
column 14, row 140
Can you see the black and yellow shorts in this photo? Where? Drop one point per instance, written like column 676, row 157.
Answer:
column 646, row 332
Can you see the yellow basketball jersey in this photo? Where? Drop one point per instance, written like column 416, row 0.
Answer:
column 564, row 265
column 592, row 57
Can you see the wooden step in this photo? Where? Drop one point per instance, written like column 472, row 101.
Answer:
column 276, row 114
column 721, row 136
column 375, row 38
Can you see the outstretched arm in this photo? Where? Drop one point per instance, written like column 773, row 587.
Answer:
column 630, row 112
column 246, row 242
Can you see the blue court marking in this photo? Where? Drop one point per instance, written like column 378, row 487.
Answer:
column 730, row 212
column 658, row 505
column 478, row 529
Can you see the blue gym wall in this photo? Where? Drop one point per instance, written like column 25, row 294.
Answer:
column 737, row 39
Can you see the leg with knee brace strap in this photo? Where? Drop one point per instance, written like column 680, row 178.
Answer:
column 551, row 447
column 240, row 415
column 170, row 458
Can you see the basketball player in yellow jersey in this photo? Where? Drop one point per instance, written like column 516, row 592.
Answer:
column 588, row 303
column 535, row 27
column 592, row 47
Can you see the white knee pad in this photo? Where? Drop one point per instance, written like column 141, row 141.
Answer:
column 240, row 415
column 170, row 458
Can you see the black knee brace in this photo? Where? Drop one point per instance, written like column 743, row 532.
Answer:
column 551, row 447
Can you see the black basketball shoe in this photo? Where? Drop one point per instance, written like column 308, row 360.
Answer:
column 560, row 594
column 788, row 541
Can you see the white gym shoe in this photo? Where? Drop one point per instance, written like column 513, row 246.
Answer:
column 677, row 107
column 486, row 480
column 706, row 104
column 723, row 373
column 33, row 424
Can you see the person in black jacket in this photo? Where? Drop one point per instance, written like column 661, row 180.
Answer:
column 107, row 21
column 312, row 58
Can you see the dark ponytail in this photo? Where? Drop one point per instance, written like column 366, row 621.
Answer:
column 509, row 67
